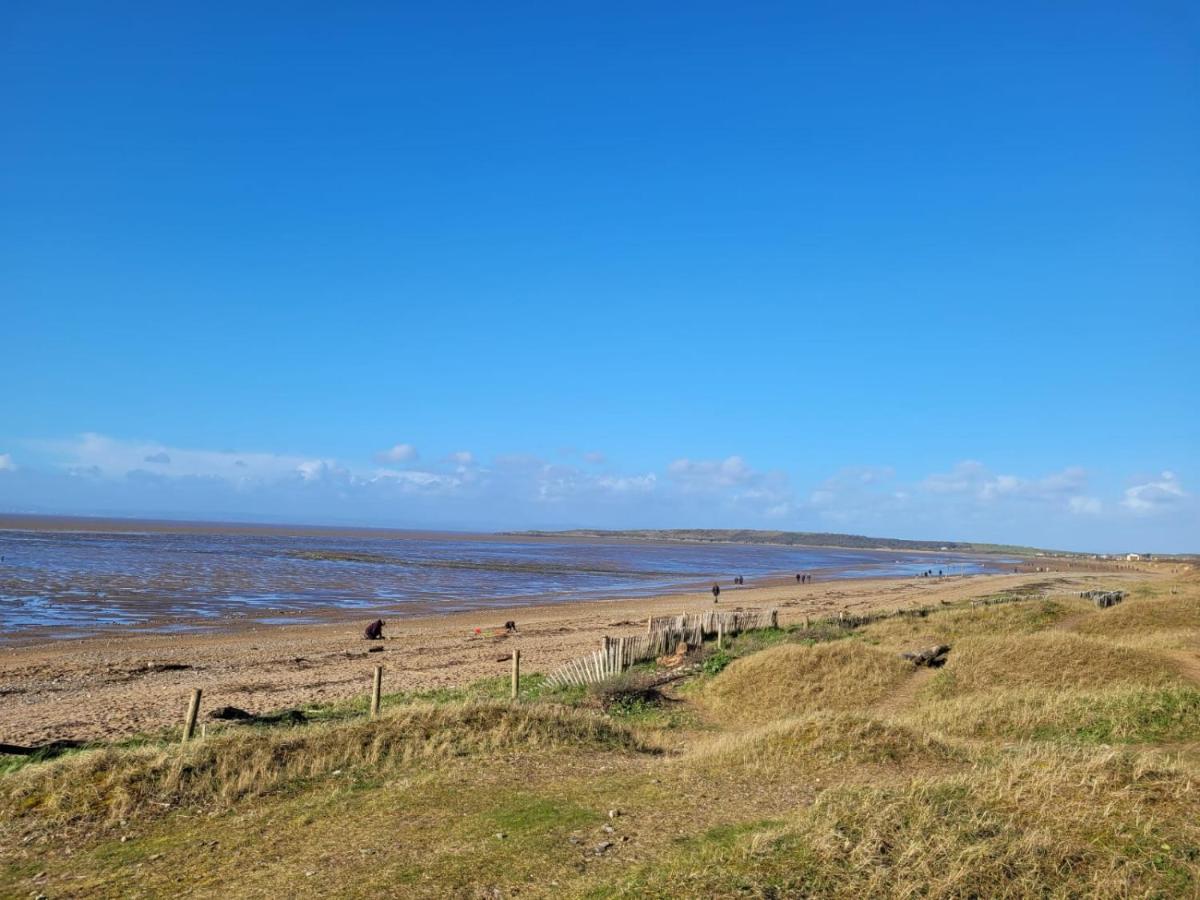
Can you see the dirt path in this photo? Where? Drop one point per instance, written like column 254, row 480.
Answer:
column 906, row 694
column 1188, row 662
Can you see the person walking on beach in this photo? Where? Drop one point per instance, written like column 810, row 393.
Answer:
column 716, row 592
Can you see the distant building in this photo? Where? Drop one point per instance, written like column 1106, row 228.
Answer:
column 1133, row 557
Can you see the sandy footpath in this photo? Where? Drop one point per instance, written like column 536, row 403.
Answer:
column 106, row 686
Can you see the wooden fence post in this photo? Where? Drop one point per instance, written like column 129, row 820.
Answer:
column 376, row 690
column 189, row 724
column 516, row 674
column 720, row 634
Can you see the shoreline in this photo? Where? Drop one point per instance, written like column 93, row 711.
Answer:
column 161, row 622
column 111, row 686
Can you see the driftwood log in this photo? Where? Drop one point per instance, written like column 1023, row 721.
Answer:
column 1104, row 599
column 933, row 657
column 52, row 749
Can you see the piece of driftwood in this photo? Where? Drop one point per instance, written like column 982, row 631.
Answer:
column 933, row 657
column 231, row 714
column 1104, row 599
column 46, row 751
column 234, row 714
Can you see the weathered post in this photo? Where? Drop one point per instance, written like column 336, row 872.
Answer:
column 189, row 724
column 720, row 634
column 516, row 673
column 376, row 691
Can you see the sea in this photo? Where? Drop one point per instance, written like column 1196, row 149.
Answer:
column 80, row 581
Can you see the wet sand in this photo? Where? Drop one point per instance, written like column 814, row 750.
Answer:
column 112, row 686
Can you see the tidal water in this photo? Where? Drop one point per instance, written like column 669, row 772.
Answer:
column 81, row 582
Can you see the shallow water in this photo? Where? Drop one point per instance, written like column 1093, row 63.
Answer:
column 84, row 581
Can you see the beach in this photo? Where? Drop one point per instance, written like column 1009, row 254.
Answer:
column 113, row 685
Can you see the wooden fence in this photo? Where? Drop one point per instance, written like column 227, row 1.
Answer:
column 663, row 635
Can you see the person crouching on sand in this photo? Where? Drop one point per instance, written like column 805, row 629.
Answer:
column 374, row 631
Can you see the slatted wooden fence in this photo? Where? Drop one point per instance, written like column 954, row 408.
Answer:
column 663, row 635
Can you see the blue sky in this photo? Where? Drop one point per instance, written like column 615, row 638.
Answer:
column 922, row 270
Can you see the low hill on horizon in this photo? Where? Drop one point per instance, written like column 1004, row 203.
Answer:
column 785, row 538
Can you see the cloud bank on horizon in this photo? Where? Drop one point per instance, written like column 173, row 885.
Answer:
column 99, row 474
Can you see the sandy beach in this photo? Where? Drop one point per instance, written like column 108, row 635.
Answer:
column 109, row 686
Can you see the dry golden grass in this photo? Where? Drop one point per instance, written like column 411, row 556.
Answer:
column 821, row 740
column 791, row 680
column 953, row 624
column 111, row 784
column 1053, row 660
column 1109, row 713
column 1038, row 822
column 1138, row 616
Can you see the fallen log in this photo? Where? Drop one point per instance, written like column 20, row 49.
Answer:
column 46, row 751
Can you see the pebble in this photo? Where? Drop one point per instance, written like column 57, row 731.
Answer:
column 603, row 847
column 613, row 813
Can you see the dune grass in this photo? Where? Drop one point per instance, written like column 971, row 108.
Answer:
column 1041, row 821
column 1056, row 754
column 820, row 741
column 1052, row 661
column 107, row 785
column 793, row 679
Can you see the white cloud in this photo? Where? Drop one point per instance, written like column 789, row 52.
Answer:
column 973, row 479
column 462, row 458
column 6, row 463
column 708, row 475
column 595, row 457
column 1156, row 495
column 1085, row 506
column 398, row 453
column 962, row 478
column 628, row 483
column 412, row 480
column 101, row 456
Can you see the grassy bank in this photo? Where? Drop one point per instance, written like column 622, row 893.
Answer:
column 1057, row 753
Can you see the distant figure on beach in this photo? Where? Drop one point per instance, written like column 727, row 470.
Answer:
column 716, row 592
column 510, row 626
column 798, row 577
column 374, row 631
